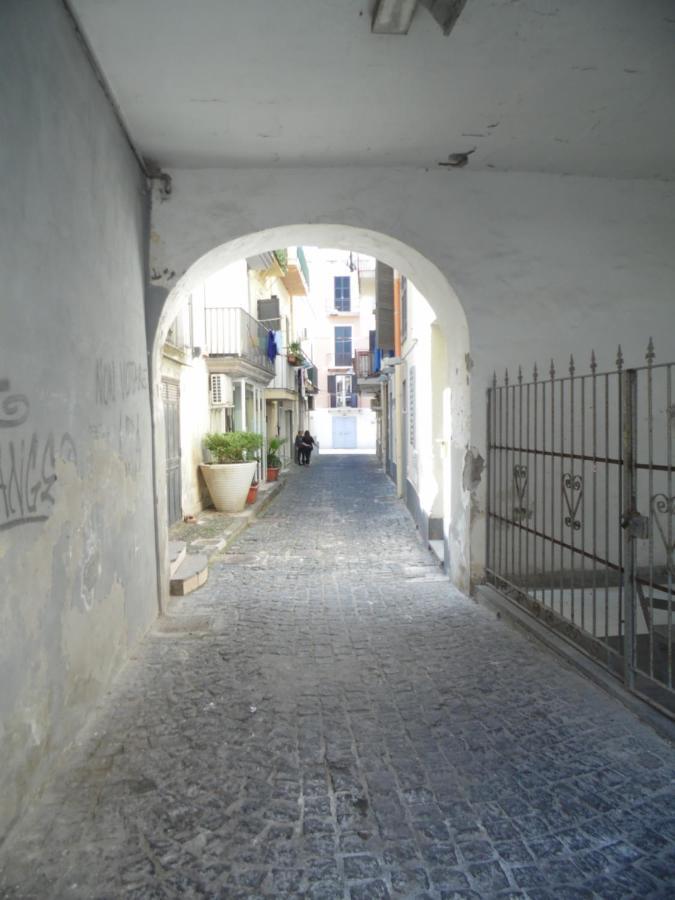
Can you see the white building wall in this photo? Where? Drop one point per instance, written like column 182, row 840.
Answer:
column 321, row 427
column 77, row 535
column 324, row 266
column 543, row 265
column 424, row 440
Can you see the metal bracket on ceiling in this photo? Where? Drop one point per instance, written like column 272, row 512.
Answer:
column 155, row 173
column 395, row 16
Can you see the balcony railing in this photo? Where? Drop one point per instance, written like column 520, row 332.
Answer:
column 364, row 362
column 285, row 376
column 233, row 332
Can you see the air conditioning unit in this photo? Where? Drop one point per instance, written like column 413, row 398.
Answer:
column 220, row 390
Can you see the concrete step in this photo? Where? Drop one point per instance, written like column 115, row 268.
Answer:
column 438, row 549
column 191, row 574
column 177, row 550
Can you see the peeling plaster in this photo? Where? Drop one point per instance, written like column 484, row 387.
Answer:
column 473, row 469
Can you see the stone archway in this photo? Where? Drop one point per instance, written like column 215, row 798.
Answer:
column 168, row 293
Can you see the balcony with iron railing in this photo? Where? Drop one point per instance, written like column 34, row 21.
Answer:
column 364, row 363
column 232, row 332
column 285, row 375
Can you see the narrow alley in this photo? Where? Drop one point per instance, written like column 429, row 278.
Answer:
column 329, row 718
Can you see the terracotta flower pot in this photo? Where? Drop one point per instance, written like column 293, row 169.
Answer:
column 252, row 493
column 272, row 473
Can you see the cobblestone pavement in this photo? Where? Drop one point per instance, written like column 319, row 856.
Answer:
column 326, row 718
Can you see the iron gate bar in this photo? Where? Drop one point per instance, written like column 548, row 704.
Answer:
column 650, row 450
column 586, row 458
column 629, row 437
column 562, row 544
column 669, row 444
column 540, row 446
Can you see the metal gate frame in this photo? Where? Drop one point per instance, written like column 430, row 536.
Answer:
column 580, row 511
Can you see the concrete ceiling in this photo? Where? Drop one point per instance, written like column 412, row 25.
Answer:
column 565, row 86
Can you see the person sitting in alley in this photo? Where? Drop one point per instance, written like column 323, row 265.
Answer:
column 298, row 448
column 307, row 446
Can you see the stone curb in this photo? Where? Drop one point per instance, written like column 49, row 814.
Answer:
column 244, row 523
column 491, row 599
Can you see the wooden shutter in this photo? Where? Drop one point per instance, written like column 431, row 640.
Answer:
column 268, row 313
column 331, row 390
column 384, row 306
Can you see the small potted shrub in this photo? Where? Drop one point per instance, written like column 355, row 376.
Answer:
column 229, row 476
column 294, row 353
column 273, row 458
column 252, row 492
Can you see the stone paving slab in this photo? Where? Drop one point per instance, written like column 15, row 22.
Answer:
column 318, row 722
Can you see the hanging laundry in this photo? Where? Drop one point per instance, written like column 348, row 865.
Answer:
column 272, row 350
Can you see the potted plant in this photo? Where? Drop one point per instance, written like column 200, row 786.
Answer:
column 229, row 476
column 294, row 353
column 252, row 492
column 273, row 458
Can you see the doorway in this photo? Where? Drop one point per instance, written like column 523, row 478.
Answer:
column 171, row 402
column 344, row 432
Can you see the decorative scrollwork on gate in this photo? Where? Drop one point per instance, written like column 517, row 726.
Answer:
column 663, row 509
column 519, row 488
column 572, row 491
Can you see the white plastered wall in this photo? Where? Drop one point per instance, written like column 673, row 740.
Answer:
column 423, row 355
column 541, row 266
column 77, row 535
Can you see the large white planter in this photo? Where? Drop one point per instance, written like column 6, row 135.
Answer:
column 228, row 484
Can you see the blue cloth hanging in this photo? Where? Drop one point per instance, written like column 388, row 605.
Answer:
column 272, row 350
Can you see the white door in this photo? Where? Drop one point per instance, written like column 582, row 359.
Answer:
column 344, row 432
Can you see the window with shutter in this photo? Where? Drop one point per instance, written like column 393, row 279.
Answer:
column 269, row 313
column 343, row 345
column 331, row 391
column 384, row 306
column 342, row 293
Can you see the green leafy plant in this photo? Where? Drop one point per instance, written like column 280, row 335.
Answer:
column 294, row 351
column 273, row 447
column 233, row 446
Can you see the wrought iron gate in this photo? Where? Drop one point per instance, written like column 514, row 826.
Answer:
column 581, row 510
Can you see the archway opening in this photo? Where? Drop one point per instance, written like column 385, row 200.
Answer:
column 444, row 424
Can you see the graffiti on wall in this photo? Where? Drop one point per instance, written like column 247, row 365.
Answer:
column 117, row 380
column 28, row 462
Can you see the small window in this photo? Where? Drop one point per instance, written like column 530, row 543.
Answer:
column 343, row 345
column 343, row 296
